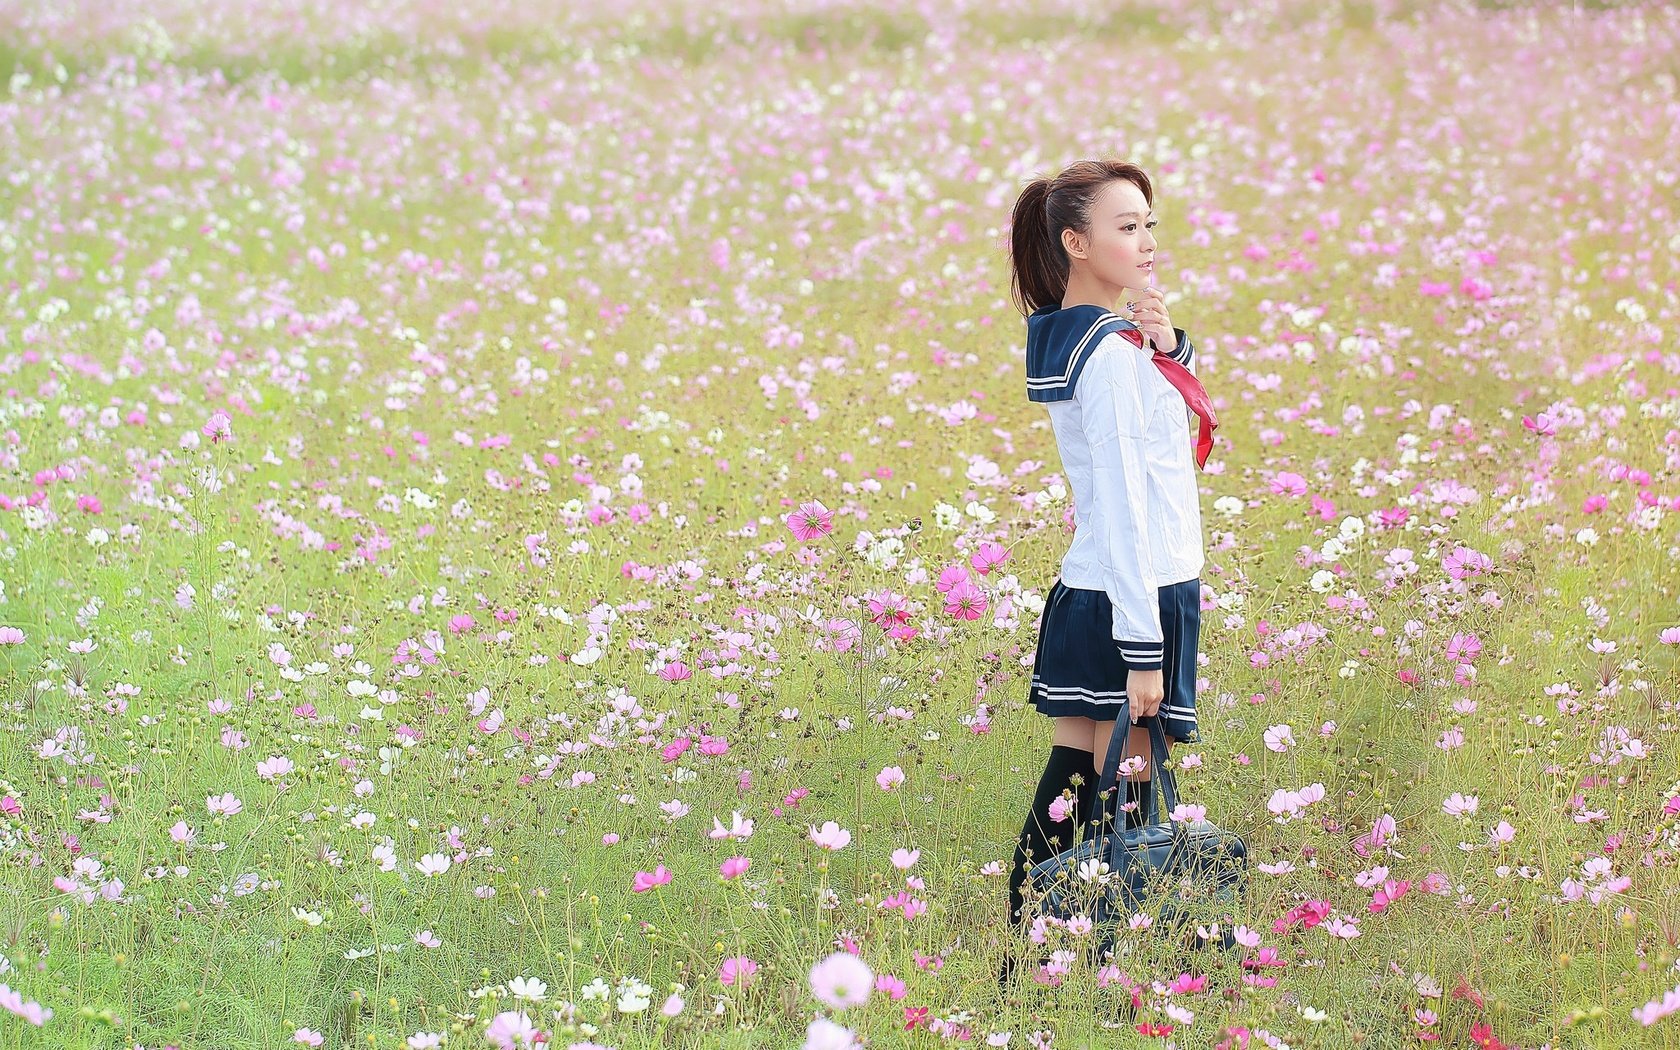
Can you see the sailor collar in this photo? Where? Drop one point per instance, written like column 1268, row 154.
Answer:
column 1060, row 341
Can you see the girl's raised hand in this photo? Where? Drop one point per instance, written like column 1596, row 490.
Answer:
column 1149, row 312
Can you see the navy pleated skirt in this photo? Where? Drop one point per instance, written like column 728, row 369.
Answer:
column 1078, row 669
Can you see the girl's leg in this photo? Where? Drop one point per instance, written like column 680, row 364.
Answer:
column 1040, row 836
column 1140, row 787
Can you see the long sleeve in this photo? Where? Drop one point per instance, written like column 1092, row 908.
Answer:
column 1114, row 412
column 1184, row 351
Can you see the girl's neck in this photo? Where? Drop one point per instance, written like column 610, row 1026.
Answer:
column 1089, row 292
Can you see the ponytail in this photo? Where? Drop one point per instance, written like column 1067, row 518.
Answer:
column 1047, row 206
column 1038, row 261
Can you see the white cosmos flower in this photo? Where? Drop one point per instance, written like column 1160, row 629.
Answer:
column 527, row 988
column 1092, row 870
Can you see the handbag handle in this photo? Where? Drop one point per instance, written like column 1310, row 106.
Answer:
column 1157, row 745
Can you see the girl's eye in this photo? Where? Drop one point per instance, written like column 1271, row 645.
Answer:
column 1129, row 227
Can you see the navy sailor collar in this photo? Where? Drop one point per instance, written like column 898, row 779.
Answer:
column 1059, row 342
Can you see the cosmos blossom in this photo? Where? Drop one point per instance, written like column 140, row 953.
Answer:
column 841, row 980
column 811, row 520
column 737, row 971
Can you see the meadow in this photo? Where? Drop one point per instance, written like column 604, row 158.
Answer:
column 482, row 487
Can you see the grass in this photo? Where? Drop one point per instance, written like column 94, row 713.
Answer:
column 354, row 513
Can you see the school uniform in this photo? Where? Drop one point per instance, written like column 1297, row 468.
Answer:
column 1129, row 596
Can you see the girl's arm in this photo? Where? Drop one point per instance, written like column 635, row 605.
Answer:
column 1184, row 352
column 1113, row 413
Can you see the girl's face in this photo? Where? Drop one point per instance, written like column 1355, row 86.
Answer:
column 1120, row 245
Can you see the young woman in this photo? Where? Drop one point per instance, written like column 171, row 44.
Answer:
column 1124, row 619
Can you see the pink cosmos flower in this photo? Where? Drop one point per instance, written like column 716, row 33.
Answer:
column 675, row 671
column 11, row 636
column 951, row 577
column 1389, row 892
column 1267, row 956
column 1380, row 833
column 831, row 836
column 219, row 427
column 1307, row 913
column 1288, row 484
column 889, row 778
column 512, row 1030
column 842, row 980
column 1464, row 648
column 274, row 767
column 1457, row 805
column 737, row 970
column 965, row 602
column 1464, row 562
column 1646, row 1015
column 888, row 609
column 988, row 557
column 13, row 1002
column 810, row 521
column 735, row 867
column 646, row 880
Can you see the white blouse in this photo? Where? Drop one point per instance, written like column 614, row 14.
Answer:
column 1126, row 451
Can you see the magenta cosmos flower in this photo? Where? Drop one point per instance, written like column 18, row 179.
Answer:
column 965, row 601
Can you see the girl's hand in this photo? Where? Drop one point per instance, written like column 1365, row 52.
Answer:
column 1149, row 312
column 1146, row 690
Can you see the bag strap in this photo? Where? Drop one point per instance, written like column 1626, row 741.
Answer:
column 1157, row 745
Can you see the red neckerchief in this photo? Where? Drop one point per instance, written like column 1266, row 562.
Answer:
column 1195, row 395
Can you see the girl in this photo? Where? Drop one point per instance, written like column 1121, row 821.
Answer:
column 1124, row 619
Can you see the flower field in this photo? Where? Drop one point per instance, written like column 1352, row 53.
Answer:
column 520, row 525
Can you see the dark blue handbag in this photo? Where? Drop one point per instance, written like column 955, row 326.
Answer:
column 1181, row 874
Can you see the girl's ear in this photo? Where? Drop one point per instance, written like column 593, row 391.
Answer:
column 1073, row 243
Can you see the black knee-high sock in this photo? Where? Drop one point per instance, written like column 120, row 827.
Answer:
column 1040, row 836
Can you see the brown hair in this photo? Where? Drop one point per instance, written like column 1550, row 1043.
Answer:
column 1038, row 262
